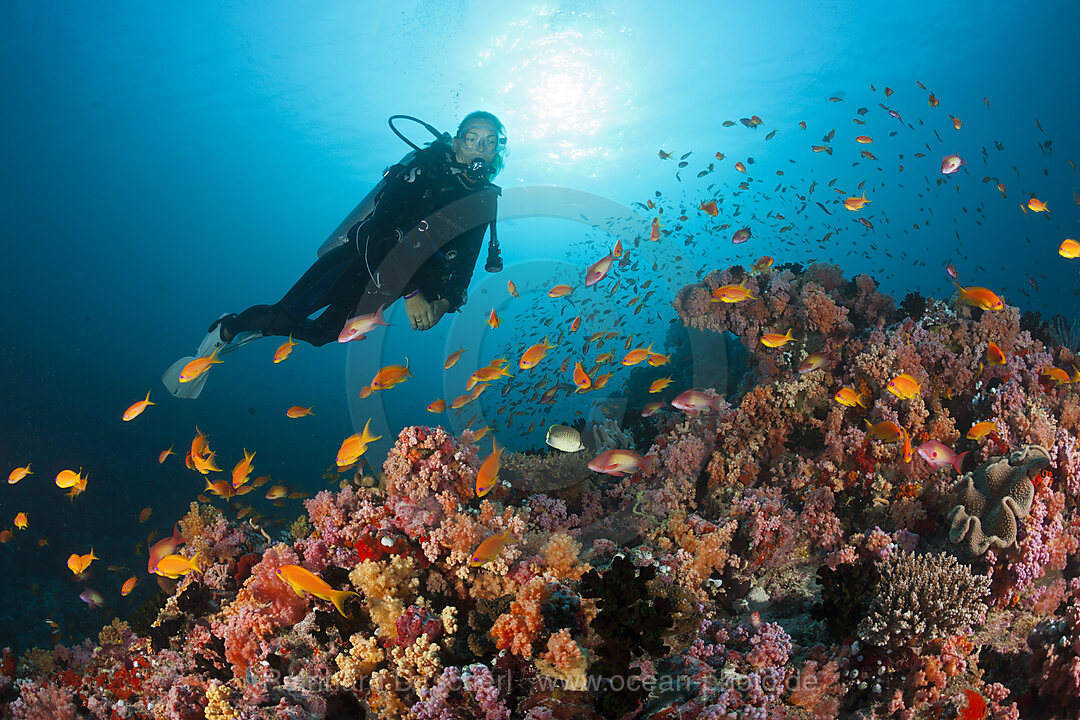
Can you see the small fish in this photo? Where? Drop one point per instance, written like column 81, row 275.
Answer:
column 775, row 340
column 850, row 398
column 304, row 581
column 1069, row 249
column 596, row 272
column 493, row 320
column 981, row 429
column 18, row 474
column 956, row 123
column 864, row 139
column 906, row 448
column 664, row 155
column 886, row 431
column 198, row 366
column 565, row 438
column 452, row 359
column 489, row 549
column 298, row 412
column 128, row 586
column 136, row 409
column 358, row 327
column 695, row 401
column 145, row 514
column 581, row 378
column 488, row 474
column 951, row 271
column 940, row 455
column 732, row 293
column 354, row 446
column 994, row 356
column 950, row 164
column 855, row 204
column 659, row 384
column 709, row 208
column 903, row 386
column 21, row 521
column 575, row 324
column 174, row 566
column 92, row 598
column 559, row 291
column 637, row 355
column 512, row 289
column 740, row 167
column 391, row 375
column 821, row 148
column 741, row 235
column 164, row 454
column 1001, row 189
column 437, row 406
column 802, row 124
column 652, row 408
column 284, row 350
column 1036, row 205
column 77, row 564
column 763, row 263
column 979, row 297
column 620, row 462
column 815, row 361
column 242, row 470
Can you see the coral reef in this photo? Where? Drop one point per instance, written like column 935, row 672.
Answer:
column 784, row 557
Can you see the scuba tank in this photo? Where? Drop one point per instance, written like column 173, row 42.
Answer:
column 366, row 206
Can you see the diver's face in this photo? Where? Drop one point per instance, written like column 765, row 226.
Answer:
column 480, row 140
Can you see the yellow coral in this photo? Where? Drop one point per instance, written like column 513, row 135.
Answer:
column 219, row 703
column 364, row 656
column 560, row 554
column 388, row 588
column 113, row 634
column 418, row 663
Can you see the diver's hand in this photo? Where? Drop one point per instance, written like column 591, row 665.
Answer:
column 422, row 314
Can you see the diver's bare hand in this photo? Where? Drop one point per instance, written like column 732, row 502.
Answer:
column 420, row 312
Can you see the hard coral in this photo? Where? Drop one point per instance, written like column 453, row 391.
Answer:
column 996, row 497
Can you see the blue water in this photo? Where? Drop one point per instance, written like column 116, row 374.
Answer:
column 164, row 163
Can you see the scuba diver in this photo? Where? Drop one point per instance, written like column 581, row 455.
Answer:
column 417, row 235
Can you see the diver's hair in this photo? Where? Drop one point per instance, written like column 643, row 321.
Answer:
column 500, row 130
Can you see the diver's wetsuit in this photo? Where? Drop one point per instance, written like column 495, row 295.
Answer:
column 425, row 234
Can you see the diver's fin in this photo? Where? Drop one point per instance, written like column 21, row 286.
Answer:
column 211, row 343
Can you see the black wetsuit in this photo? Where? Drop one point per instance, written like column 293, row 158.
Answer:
column 425, row 234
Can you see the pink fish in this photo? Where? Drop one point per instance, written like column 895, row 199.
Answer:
column 695, row 401
column 358, row 327
column 940, row 455
column 950, row 164
column 599, row 270
column 951, row 270
column 621, row 462
column 92, row 598
column 164, row 547
column 740, row 236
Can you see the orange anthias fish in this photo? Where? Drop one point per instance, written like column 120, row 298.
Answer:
column 575, row 324
column 732, row 293
column 488, row 474
column 637, row 355
column 558, row 291
column 654, row 231
column 77, row 564
column 20, row 521
column 136, row 409
column 907, row 451
column 354, row 446
column 298, row 412
column 242, row 470
column 1069, row 249
column 304, row 581
column 658, row 359
column 740, row 167
column 581, row 378
column 18, row 474
column 886, row 431
column 981, row 429
column 512, row 289
column 764, row 263
column 979, row 297
column 709, row 208
column 174, row 566
column 994, row 356
column 128, row 585
column 493, row 319
column 391, row 375
column 489, row 549
column 1036, row 205
column 658, row 385
column 847, row 396
column 76, row 481
column 864, row 139
column 532, row 357
column 903, row 386
column 451, row 361
column 1001, row 189
column 775, row 340
column 164, row 454
column 198, row 366
column 284, row 350
column 855, row 204
column 437, row 406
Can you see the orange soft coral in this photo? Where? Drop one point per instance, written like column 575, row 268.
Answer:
column 519, row 628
